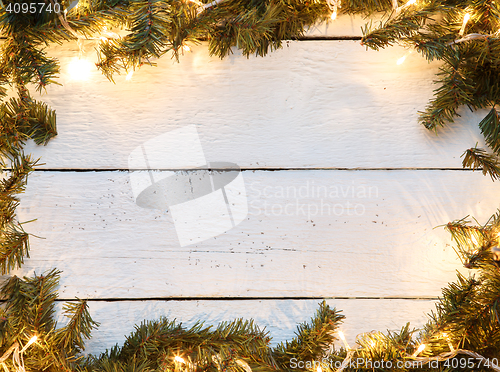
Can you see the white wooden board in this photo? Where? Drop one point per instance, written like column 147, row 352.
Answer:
column 317, row 105
column 343, row 26
column 313, row 104
column 307, row 233
column 279, row 317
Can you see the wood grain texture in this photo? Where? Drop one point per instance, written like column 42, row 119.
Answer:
column 279, row 317
column 343, row 26
column 371, row 234
column 312, row 104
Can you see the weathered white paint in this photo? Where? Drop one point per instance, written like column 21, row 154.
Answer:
column 279, row 317
column 343, row 26
column 308, row 233
column 311, row 104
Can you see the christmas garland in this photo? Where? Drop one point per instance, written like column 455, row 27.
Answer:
column 462, row 334
column 461, row 34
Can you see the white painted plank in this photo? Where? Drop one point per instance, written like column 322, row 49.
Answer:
column 336, row 233
column 343, row 26
column 279, row 317
column 311, row 104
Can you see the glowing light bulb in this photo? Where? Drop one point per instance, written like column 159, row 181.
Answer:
column 186, row 48
column 409, row 3
column 450, row 345
column 474, row 240
column 129, row 75
column 30, row 342
column 419, row 350
column 80, row 69
column 319, row 369
column 178, row 359
column 342, row 337
column 464, row 23
column 402, row 59
column 334, row 6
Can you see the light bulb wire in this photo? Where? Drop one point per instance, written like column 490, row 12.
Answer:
column 440, row 357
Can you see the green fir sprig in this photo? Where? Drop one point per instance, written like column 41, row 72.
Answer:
column 465, row 326
column 464, row 36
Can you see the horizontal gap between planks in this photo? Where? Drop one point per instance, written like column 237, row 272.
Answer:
column 247, row 169
column 314, row 38
column 298, row 38
column 166, row 299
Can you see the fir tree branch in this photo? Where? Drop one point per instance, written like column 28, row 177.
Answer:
column 490, row 128
column 159, row 342
column 456, row 90
column 71, row 337
column 475, row 158
column 150, row 22
column 405, row 25
column 312, row 340
column 30, row 302
column 14, row 247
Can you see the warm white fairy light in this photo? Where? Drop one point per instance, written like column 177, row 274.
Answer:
column 334, row 5
column 409, row 3
column 129, row 75
column 30, row 342
column 398, row 9
column 450, row 345
column 342, row 337
column 474, row 240
column 243, row 365
column 319, row 369
column 17, row 356
column 80, row 69
column 464, row 24
column 179, row 359
column 402, row 59
column 418, row 351
column 186, row 48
